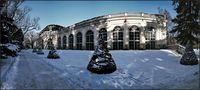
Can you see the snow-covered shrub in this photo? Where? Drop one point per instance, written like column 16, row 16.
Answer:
column 40, row 51
column 53, row 55
column 18, row 44
column 101, row 61
column 9, row 50
column 35, row 50
column 13, row 47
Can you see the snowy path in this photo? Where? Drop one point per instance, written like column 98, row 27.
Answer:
column 32, row 73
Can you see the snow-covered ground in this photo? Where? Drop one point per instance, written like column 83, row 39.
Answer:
column 136, row 69
column 8, row 71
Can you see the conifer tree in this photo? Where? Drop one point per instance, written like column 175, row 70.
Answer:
column 101, row 61
column 187, row 27
column 187, row 21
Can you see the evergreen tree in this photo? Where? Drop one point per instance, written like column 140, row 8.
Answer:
column 101, row 61
column 189, row 57
column 187, row 21
column 187, row 27
column 52, row 53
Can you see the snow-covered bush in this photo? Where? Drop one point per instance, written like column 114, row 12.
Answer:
column 52, row 53
column 40, row 51
column 9, row 50
column 101, row 61
column 35, row 50
column 13, row 47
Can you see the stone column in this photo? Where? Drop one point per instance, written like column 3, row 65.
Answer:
column 61, row 38
column 125, row 37
column 67, row 41
column 109, row 39
column 142, row 38
column 55, row 41
column 74, row 41
column 95, row 36
column 83, row 39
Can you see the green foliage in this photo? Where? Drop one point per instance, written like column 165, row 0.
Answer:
column 187, row 21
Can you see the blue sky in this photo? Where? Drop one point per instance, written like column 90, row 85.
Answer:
column 70, row 12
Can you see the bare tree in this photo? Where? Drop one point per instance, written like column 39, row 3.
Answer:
column 20, row 16
column 30, row 38
column 28, row 24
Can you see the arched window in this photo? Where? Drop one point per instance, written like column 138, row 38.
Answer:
column 134, row 37
column 59, row 42
column 79, row 40
column 71, row 41
column 64, row 42
column 103, row 34
column 89, row 40
column 118, row 38
column 150, row 38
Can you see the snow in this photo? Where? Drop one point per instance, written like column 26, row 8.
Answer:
column 13, row 47
column 10, row 46
column 8, row 74
column 136, row 69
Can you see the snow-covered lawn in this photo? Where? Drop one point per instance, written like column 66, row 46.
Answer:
column 135, row 69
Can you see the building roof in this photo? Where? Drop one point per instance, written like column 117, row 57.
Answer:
column 102, row 17
column 53, row 27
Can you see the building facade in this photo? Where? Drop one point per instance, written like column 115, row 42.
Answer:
column 127, row 30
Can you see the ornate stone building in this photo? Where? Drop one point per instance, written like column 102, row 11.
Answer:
column 127, row 30
column 50, row 34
